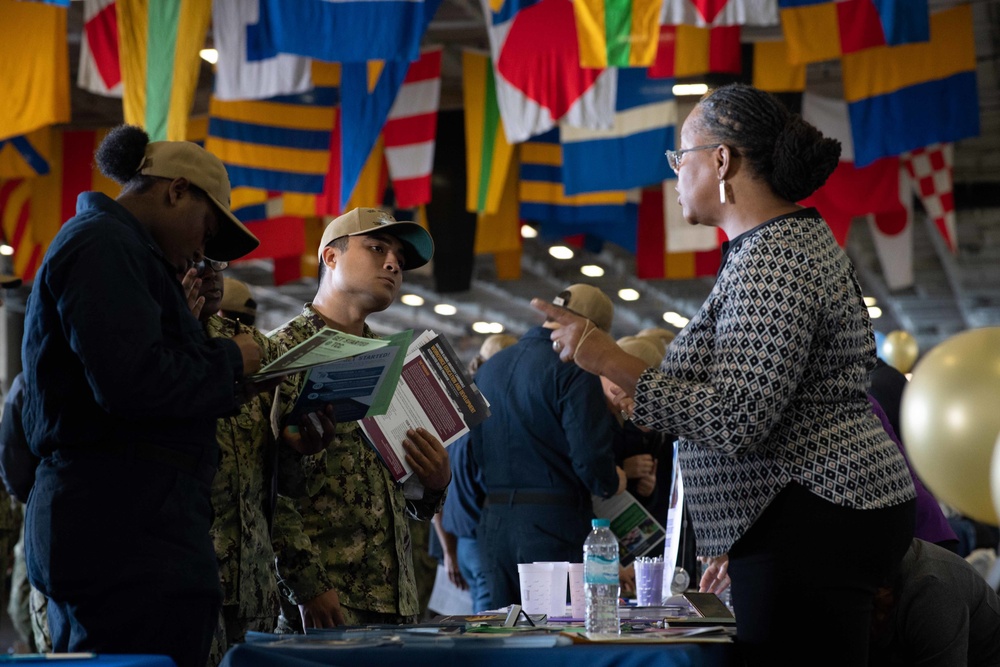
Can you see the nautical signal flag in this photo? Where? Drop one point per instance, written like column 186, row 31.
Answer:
column 539, row 79
column 609, row 215
column 617, row 33
column 487, row 151
column 930, row 175
column 281, row 143
column 901, row 98
column 26, row 156
column 772, row 70
column 686, row 50
column 654, row 258
column 631, row 153
column 33, row 209
column 819, row 30
column 237, row 75
column 342, row 30
column 411, row 129
column 35, row 75
column 705, row 13
column 160, row 42
column 100, row 66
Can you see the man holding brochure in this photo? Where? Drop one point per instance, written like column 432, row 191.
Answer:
column 341, row 539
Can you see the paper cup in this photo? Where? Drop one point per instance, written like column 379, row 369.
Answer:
column 557, row 587
column 577, row 594
column 536, row 584
column 648, row 582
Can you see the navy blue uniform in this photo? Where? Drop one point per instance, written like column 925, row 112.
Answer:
column 122, row 390
column 546, row 448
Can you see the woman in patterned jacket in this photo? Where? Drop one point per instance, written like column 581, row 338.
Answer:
column 790, row 479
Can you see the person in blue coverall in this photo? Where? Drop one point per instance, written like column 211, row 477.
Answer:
column 122, row 392
column 544, row 451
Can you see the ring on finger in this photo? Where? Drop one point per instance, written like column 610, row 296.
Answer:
column 557, row 346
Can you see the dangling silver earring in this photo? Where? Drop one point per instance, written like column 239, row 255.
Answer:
column 722, row 191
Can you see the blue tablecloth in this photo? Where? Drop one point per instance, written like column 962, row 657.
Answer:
column 102, row 660
column 386, row 653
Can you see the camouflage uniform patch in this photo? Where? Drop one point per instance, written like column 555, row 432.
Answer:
column 241, row 498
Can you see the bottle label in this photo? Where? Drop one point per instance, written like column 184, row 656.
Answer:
column 600, row 570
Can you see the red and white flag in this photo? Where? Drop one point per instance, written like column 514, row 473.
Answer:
column 892, row 233
column 411, row 129
column 930, row 173
column 539, row 81
column 100, row 69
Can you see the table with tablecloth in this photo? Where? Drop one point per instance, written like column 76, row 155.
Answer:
column 382, row 650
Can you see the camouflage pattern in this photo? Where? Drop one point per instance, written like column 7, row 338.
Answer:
column 40, row 620
column 241, row 499
column 342, row 524
column 18, row 607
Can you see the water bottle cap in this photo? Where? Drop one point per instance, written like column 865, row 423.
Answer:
column 601, row 523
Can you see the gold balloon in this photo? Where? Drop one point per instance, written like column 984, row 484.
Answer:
column 900, row 350
column 950, row 419
column 995, row 476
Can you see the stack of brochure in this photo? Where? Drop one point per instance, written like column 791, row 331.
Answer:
column 390, row 385
column 434, row 392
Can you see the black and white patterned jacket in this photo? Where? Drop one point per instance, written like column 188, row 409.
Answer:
column 767, row 385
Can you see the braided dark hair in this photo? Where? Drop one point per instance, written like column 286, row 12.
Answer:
column 791, row 155
column 121, row 154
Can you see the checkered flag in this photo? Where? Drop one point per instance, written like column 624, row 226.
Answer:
column 930, row 173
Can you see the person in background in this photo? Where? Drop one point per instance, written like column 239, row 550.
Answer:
column 545, row 450
column 456, row 523
column 122, row 392
column 792, row 483
column 242, row 496
column 646, row 456
column 936, row 612
column 341, row 538
column 237, row 302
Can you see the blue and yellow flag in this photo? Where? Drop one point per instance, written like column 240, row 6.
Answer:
column 281, row 143
column 905, row 97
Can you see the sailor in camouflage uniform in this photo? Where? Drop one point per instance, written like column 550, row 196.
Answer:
column 241, row 492
column 341, row 536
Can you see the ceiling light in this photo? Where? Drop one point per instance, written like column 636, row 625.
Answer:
column 6, row 249
column 675, row 319
column 874, row 312
column 412, row 300
column 209, row 55
column 682, row 89
column 487, row 327
column 628, row 294
column 445, row 309
column 870, row 301
column 561, row 252
column 591, row 270
column 528, row 232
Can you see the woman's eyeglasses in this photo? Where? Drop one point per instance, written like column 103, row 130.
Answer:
column 216, row 266
column 674, row 157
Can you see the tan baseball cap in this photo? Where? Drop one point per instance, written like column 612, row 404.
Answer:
column 7, row 280
column 185, row 159
column 418, row 246
column 588, row 301
column 236, row 297
column 644, row 347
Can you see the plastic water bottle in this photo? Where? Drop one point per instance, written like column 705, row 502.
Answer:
column 600, row 579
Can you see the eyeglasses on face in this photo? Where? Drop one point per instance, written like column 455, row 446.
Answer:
column 674, row 157
column 215, row 265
